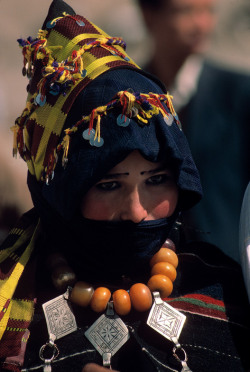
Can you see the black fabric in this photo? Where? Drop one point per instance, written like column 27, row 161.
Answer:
column 211, row 344
column 110, row 250
column 100, row 249
column 88, row 164
column 116, row 248
column 56, row 9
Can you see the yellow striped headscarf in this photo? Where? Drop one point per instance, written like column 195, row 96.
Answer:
column 68, row 53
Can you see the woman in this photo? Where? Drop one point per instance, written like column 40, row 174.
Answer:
column 109, row 173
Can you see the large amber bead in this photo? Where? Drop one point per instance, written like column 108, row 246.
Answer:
column 164, row 268
column 100, row 299
column 141, row 297
column 81, row 294
column 62, row 277
column 165, row 255
column 160, row 283
column 122, row 303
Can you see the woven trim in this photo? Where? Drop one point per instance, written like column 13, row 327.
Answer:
column 201, row 305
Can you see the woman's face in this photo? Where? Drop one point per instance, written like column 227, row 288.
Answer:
column 134, row 190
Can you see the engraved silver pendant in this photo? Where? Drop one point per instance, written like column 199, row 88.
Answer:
column 169, row 322
column 60, row 322
column 59, row 316
column 108, row 334
column 164, row 319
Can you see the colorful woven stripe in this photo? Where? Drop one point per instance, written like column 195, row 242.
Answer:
column 200, row 304
column 60, row 62
column 16, row 313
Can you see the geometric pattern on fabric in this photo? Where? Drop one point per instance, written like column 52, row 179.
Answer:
column 39, row 128
column 201, row 305
column 16, row 312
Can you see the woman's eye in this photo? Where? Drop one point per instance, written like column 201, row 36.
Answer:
column 158, row 179
column 107, row 186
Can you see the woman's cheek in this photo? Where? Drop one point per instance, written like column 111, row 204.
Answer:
column 165, row 207
column 161, row 210
column 96, row 209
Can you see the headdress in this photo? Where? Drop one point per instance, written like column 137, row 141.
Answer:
column 68, row 53
column 71, row 58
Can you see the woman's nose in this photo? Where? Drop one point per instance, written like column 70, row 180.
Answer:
column 133, row 209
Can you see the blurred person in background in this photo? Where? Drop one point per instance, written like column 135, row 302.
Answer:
column 213, row 105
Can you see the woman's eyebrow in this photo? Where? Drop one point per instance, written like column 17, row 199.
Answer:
column 114, row 175
column 117, row 175
column 152, row 171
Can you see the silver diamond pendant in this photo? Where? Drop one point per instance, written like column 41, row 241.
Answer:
column 108, row 334
column 59, row 316
column 164, row 319
column 60, row 322
column 169, row 322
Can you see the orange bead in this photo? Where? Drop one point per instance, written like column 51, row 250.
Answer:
column 165, row 255
column 122, row 303
column 81, row 294
column 160, row 283
column 100, row 299
column 164, row 268
column 141, row 297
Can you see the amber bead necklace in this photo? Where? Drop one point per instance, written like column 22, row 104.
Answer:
column 139, row 297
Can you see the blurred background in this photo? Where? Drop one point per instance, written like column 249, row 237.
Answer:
column 230, row 46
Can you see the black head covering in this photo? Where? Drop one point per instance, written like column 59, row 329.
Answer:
column 87, row 164
column 58, row 201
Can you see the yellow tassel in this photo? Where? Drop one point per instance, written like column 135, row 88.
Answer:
column 42, row 34
column 98, row 128
column 141, row 119
column 14, row 129
column 66, row 141
column 162, row 111
column 63, row 77
column 40, row 55
column 154, row 111
column 77, row 76
column 78, row 59
column 131, row 101
column 171, row 107
column 49, row 69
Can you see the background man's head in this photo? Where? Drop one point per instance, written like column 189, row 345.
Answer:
column 182, row 25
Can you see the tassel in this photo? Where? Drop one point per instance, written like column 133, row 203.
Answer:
column 98, row 128
column 127, row 101
column 140, row 118
column 66, row 141
column 169, row 101
column 42, row 34
column 130, row 101
column 14, row 129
